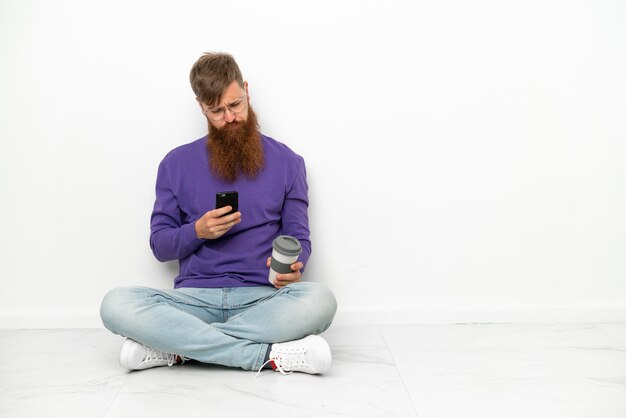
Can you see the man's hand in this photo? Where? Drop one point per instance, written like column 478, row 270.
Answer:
column 283, row 280
column 213, row 225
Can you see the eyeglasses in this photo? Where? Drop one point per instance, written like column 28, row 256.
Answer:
column 235, row 107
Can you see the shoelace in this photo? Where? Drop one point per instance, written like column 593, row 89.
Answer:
column 154, row 356
column 287, row 360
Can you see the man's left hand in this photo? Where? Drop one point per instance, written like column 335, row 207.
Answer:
column 283, row 280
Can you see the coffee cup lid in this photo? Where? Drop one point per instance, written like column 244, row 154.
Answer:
column 287, row 245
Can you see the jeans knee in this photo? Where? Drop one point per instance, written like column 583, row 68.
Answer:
column 322, row 302
column 112, row 307
column 328, row 302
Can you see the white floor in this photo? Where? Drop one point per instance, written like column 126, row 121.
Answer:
column 426, row 371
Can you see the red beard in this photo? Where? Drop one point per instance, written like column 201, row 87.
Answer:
column 236, row 149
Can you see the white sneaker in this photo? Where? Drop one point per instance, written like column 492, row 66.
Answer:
column 135, row 356
column 309, row 355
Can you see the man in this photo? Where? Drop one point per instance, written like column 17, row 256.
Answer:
column 223, row 310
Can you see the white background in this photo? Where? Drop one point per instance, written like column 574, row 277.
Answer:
column 463, row 157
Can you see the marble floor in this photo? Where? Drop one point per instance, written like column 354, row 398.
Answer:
column 426, row 371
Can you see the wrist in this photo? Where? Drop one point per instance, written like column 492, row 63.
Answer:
column 196, row 228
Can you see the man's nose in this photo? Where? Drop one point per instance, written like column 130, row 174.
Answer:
column 229, row 116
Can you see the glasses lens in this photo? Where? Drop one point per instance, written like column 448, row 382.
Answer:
column 215, row 114
column 237, row 106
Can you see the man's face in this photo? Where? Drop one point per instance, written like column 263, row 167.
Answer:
column 225, row 115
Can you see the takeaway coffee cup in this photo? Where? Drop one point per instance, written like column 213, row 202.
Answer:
column 285, row 252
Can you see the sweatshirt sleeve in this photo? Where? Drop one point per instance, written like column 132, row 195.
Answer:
column 170, row 238
column 295, row 218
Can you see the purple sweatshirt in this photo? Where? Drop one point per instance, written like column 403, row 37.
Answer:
column 274, row 203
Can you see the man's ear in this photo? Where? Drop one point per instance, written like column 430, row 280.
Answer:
column 245, row 87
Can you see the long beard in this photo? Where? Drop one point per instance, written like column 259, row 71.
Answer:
column 236, row 149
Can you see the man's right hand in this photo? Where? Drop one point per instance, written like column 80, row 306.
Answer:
column 213, row 225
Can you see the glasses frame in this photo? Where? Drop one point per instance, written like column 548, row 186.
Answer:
column 223, row 109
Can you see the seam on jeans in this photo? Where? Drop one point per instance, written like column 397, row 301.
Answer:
column 284, row 290
column 251, row 304
column 259, row 359
column 177, row 300
column 224, row 304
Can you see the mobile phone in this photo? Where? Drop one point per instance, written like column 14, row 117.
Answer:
column 227, row 199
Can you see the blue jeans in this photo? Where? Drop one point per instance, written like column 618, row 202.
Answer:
column 231, row 326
